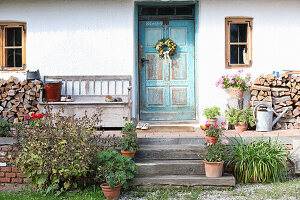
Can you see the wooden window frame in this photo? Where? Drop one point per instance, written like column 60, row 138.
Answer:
column 3, row 26
column 238, row 20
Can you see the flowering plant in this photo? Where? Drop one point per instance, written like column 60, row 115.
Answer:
column 234, row 116
column 213, row 130
column 33, row 119
column 236, row 81
column 165, row 47
column 216, row 152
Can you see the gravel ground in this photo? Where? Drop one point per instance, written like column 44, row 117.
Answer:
column 286, row 191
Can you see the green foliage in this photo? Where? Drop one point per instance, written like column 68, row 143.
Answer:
column 259, row 160
column 129, row 142
column 236, row 115
column 5, row 127
column 128, row 128
column 58, row 151
column 115, row 168
column 213, row 130
column 211, row 113
column 216, row 152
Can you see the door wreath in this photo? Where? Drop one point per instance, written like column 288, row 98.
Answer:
column 165, row 48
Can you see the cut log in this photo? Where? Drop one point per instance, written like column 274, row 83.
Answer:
column 277, row 100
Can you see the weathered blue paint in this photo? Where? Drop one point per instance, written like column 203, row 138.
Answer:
column 167, row 90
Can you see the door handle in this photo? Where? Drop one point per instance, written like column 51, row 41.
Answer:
column 144, row 60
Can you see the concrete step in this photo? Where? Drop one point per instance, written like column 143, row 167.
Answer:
column 171, row 141
column 170, row 167
column 186, row 180
column 170, row 152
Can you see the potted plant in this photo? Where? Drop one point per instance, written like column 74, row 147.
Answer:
column 116, row 171
column 236, row 84
column 214, row 159
column 211, row 114
column 128, row 144
column 213, row 132
column 4, row 128
column 128, row 128
column 240, row 118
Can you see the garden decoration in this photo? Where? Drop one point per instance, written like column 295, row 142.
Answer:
column 213, row 132
column 236, row 84
column 166, row 48
column 211, row 114
column 116, row 170
column 214, row 159
column 240, row 118
column 264, row 117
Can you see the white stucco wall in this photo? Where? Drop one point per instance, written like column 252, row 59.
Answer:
column 96, row 37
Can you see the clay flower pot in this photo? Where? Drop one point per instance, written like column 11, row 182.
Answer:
column 211, row 121
column 235, row 92
column 110, row 193
column 240, row 127
column 2, row 135
column 211, row 140
column 128, row 153
column 213, row 169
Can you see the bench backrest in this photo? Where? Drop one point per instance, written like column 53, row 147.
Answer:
column 94, row 86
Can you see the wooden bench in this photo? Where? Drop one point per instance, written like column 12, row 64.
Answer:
column 89, row 92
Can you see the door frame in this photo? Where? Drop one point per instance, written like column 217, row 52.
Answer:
column 136, row 53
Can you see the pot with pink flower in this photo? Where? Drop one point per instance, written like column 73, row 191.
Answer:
column 236, row 84
column 213, row 132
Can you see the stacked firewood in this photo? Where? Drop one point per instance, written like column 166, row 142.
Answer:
column 279, row 92
column 18, row 98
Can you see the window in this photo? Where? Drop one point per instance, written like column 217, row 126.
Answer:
column 12, row 46
column 238, row 38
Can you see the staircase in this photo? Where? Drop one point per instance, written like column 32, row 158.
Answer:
column 174, row 161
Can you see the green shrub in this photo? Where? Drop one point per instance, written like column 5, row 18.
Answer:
column 236, row 115
column 5, row 127
column 216, row 152
column 129, row 142
column 258, row 161
column 115, row 168
column 211, row 113
column 57, row 152
column 128, row 127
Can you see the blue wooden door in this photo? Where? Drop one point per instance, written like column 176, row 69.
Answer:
column 167, row 88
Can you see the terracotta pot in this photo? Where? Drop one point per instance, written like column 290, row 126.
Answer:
column 240, row 127
column 211, row 121
column 2, row 135
column 213, row 169
column 235, row 92
column 110, row 193
column 128, row 153
column 211, row 140
column 53, row 91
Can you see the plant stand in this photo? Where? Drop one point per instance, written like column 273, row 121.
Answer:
column 237, row 103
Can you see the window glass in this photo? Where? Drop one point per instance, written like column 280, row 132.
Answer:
column 13, row 57
column 13, row 37
column 166, row 11
column 184, row 11
column 148, row 11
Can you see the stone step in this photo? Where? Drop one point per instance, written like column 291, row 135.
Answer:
column 170, row 152
column 171, row 141
column 186, row 180
column 170, row 167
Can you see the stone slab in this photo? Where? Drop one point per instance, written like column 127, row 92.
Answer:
column 185, row 180
column 171, row 167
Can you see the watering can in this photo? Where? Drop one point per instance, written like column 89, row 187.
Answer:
column 264, row 117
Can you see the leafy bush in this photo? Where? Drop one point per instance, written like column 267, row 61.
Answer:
column 128, row 128
column 216, row 152
column 211, row 113
column 213, row 130
column 5, row 127
column 129, row 142
column 115, row 168
column 56, row 152
column 258, row 161
column 236, row 115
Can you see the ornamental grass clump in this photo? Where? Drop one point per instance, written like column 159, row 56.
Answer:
column 258, row 161
column 57, row 152
column 237, row 81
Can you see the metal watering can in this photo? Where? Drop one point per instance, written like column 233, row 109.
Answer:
column 264, row 117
